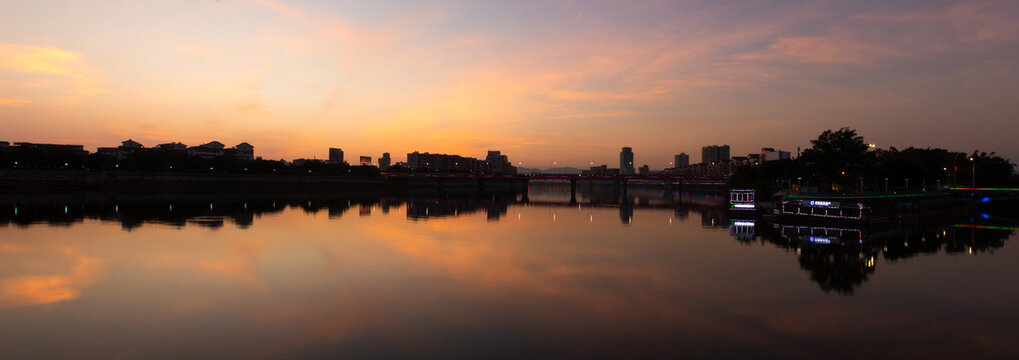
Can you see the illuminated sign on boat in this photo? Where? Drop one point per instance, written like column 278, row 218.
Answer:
column 820, row 203
column 819, row 240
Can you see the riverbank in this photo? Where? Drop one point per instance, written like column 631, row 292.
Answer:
column 43, row 180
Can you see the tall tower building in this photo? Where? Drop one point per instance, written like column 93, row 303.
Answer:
column 681, row 160
column 335, row 156
column 384, row 162
column 626, row 161
column 714, row 154
column 723, row 153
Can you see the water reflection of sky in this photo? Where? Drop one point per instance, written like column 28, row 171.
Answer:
column 372, row 279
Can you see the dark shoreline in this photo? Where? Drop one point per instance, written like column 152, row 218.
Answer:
column 50, row 180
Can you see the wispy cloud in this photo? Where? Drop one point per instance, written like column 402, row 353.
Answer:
column 611, row 114
column 973, row 21
column 15, row 101
column 837, row 48
column 280, row 7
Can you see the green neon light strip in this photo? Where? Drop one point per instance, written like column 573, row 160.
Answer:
column 987, row 227
column 983, row 189
column 860, row 197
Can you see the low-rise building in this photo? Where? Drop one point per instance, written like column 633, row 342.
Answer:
column 78, row 149
column 244, row 151
column 174, row 146
column 601, row 170
column 769, row 154
column 444, row 162
column 302, row 162
column 209, row 150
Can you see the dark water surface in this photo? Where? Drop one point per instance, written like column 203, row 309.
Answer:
column 662, row 275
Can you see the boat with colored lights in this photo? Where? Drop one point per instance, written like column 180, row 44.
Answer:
column 823, row 211
column 742, row 200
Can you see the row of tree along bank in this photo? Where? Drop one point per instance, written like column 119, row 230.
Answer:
column 842, row 162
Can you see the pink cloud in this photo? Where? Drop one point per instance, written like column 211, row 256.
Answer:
column 991, row 21
column 837, row 48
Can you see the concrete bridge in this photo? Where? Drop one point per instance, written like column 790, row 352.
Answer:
column 622, row 181
column 986, row 194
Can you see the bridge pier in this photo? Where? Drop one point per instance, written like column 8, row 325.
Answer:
column 573, row 191
column 524, row 199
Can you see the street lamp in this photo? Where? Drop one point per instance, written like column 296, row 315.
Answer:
column 974, row 166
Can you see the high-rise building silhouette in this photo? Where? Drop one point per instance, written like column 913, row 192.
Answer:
column 626, row 161
column 385, row 161
column 494, row 163
column 499, row 163
column 335, row 156
column 714, row 154
column 681, row 160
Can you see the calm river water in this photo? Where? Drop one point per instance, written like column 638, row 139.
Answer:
column 661, row 274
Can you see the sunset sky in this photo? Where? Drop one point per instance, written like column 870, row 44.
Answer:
column 544, row 81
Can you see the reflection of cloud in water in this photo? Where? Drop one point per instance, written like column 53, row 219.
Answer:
column 304, row 283
column 49, row 289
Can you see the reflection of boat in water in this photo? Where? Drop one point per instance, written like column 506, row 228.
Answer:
column 742, row 229
column 823, row 211
column 818, row 235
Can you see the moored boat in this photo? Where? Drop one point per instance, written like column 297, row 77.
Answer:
column 823, row 210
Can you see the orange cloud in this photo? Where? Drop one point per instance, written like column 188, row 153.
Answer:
column 15, row 101
column 36, row 59
column 76, row 80
column 611, row 114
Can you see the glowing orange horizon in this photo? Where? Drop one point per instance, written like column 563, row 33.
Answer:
column 571, row 85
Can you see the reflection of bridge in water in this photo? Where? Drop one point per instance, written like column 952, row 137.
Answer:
column 987, row 194
column 216, row 210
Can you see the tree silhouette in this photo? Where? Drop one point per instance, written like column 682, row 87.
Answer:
column 837, row 158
